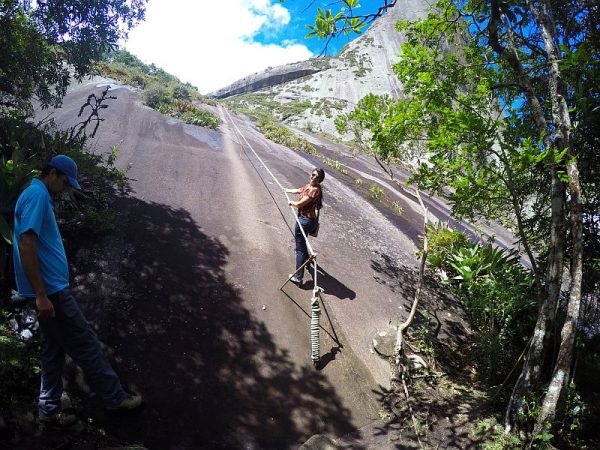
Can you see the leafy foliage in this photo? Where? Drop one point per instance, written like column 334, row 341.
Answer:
column 500, row 116
column 496, row 291
column 162, row 91
column 19, row 368
column 189, row 113
column 328, row 24
column 155, row 96
column 498, row 440
column 442, row 240
column 42, row 42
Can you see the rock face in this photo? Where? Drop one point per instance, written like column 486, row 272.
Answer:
column 268, row 78
column 336, row 84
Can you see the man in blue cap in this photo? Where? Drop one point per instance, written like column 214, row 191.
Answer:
column 42, row 273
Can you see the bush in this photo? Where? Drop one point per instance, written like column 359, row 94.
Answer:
column 181, row 93
column 442, row 240
column 155, row 96
column 200, row 117
column 496, row 291
column 190, row 114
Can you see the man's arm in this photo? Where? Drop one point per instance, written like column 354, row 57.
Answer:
column 29, row 261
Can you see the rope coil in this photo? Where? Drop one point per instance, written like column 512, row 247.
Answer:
column 315, row 319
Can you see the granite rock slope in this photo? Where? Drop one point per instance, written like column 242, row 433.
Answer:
column 323, row 88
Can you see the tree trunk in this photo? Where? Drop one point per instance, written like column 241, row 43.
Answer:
column 533, row 363
column 562, row 120
column 562, row 368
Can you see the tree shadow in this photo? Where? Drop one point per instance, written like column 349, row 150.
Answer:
column 330, row 356
column 210, row 371
column 438, row 308
column 445, row 416
column 330, row 284
column 446, row 408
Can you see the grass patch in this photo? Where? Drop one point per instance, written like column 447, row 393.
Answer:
column 336, row 165
column 264, row 107
column 376, row 192
column 283, row 136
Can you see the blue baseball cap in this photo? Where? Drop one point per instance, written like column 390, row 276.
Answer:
column 67, row 166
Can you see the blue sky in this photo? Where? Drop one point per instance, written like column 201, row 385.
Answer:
column 302, row 13
column 211, row 43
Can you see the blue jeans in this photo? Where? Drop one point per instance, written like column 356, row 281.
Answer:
column 308, row 225
column 70, row 333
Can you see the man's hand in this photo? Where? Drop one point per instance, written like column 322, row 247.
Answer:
column 29, row 260
column 44, row 306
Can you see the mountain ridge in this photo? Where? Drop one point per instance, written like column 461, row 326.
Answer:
column 332, row 85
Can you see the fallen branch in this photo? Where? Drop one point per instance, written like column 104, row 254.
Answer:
column 413, row 311
column 398, row 367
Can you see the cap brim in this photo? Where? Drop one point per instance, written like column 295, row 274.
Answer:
column 74, row 184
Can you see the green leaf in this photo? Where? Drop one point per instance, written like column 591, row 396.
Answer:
column 562, row 176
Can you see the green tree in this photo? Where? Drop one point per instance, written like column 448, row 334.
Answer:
column 499, row 93
column 43, row 45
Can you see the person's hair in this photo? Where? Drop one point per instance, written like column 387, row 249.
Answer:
column 320, row 177
column 46, row 171
column 321, row 174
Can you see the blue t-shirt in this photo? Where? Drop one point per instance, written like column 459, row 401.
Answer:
column 34, row 212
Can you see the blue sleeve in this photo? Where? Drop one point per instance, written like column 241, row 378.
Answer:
column 31, row 212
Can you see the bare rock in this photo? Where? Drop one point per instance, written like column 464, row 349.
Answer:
column 319, row 442
column 333, row 85
column 83, row 254
column 270, row 77
column 383, row 343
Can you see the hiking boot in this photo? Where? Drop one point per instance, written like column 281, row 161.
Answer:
column 129, row 402
column 294, row 279
column 61, row 419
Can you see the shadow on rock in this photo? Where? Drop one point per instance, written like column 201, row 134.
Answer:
column 444, row 414
column 331, row 285
column 211, row 373
column 439, row 310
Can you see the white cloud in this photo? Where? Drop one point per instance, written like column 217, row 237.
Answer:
column 276, row 15
column 210, row 44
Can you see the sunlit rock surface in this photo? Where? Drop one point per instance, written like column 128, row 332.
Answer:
column 363, row 66
column 270, row 77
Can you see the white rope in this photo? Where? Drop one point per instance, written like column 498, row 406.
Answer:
column 239, row 133
column 315, row 314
